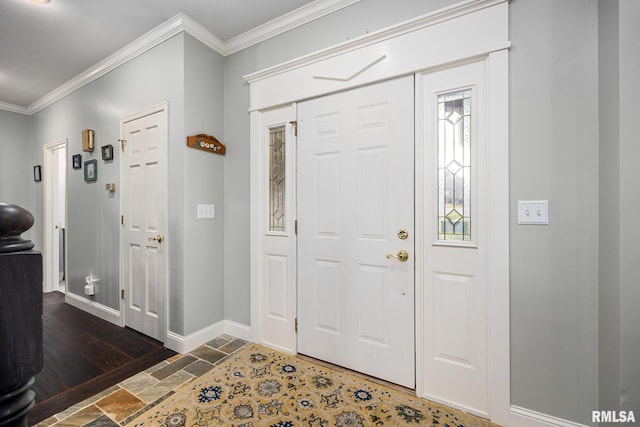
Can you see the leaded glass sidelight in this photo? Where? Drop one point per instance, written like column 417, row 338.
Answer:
column 277, row 179
column 454, row 166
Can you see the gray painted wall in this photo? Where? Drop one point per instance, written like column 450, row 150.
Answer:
column 189, row 76
column 629, row 205
column 619, row 344
column 203, row 183
column 93, row 212
column 16, row 166
column 609, row 251
column 554, row 156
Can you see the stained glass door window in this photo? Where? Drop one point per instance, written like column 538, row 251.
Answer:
column 277, row 179
column 454, row 166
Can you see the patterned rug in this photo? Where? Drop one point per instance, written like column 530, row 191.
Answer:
column 261, row 387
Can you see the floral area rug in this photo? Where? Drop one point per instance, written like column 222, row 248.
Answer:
column 262, row 387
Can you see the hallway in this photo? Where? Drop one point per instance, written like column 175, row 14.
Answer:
column 84, row 355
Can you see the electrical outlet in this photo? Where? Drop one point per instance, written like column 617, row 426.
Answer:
column 206, row 212
column 533, row 212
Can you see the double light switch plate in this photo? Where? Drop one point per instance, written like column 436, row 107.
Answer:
column 533, row 212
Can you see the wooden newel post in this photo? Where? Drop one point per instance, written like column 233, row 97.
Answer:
column 20, row 316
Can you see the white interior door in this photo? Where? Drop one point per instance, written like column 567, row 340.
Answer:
column 54, row 177
column 355, row 197
column 454, row 243
column 144, row 258
column 59, row 212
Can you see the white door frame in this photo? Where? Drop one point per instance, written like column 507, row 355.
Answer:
column 477, row 30
column 51, row 278
column 164, row 108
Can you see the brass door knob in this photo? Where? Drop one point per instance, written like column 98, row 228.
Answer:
column 400, row 256
column 158, row 238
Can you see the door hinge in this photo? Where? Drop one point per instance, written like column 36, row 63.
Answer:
column 122, row 293
column 121, row 219
column 294, row 123
column 295, row 227
column 296, row 326
column 123, row 144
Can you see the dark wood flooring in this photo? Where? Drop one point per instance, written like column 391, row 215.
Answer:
column 84, row 355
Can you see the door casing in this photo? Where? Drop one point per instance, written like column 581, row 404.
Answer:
column 51, row 250
column 481, row 29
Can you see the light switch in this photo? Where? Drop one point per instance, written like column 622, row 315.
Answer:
column 206, row 211
column 533, row 212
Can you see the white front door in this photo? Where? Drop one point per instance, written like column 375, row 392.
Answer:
column 355, row 216
column 144, row 259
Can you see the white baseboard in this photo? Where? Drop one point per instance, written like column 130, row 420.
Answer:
column 238, row 330
column 192, row 341
column 94, row 308
column 174, row 341
column 521, row 417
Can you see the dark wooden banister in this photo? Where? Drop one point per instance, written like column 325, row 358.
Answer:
column 20, row 316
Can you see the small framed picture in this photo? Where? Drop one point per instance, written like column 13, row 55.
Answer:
column 91, row 170
column 37, row 173
column 107, row 152
column 77, row 161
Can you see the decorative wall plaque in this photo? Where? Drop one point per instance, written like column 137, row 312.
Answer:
column 207, row 143
column 88, row 137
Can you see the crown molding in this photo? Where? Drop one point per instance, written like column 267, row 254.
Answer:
column 426, row 20
column 147, row 41
column 175, row 25
column 289, row 21
column 199, row 32
column 14, row 108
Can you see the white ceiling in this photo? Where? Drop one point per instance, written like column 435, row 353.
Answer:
column 42, row 46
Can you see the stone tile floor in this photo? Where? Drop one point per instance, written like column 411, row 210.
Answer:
column 123, row 402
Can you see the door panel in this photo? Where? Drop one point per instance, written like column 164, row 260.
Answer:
column 144, row 224
column 454, row 254
column 355, row 192
column 273, row 302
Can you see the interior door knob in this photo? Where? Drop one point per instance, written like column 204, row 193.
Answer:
column 402, row 255
column 158, row 238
